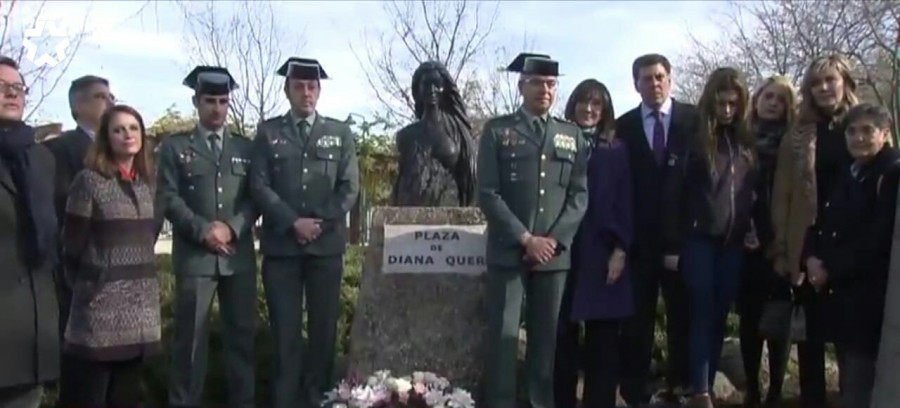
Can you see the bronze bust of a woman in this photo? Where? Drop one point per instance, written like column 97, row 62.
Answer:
column 437, row 153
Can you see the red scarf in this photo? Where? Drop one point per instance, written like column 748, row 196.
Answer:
column 127, row 174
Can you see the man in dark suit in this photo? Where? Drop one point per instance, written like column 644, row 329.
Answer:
column 89, row 97
column 653, row 132
column 29, row 345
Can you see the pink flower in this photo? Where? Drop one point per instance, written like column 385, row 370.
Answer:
column 419, row 388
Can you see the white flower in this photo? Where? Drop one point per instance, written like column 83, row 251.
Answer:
column 461, row 399
column 403, row 385
column 434, row 398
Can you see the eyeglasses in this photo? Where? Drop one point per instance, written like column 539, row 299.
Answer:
column 6, row 87
column 539, row 82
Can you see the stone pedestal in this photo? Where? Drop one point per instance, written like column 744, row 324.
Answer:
column 407, row 322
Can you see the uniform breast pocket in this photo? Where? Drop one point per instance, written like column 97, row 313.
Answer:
column 566, row 161
column 239, row 166
column 197, row 168
column 517, row 164
column 328, row 159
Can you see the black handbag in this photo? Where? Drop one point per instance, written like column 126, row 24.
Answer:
column 783, row 320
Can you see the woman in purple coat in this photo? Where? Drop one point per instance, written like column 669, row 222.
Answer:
column 598, row 292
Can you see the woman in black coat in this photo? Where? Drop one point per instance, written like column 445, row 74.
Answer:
column 847, row 250
column 773, row 112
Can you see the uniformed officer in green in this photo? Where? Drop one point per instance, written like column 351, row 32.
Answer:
column 304, row 179
column 533, row 191
column 203, row 189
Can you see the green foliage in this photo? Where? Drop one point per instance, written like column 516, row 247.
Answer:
column 377, row 154
column 173, row 121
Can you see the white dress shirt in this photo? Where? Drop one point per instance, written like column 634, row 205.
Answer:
column 665, row 113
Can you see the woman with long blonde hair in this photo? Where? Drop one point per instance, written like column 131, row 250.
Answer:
column 809, row 162
column 709, row 198
column 773, row 111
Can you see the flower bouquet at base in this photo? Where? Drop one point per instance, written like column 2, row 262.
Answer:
column 381, row 390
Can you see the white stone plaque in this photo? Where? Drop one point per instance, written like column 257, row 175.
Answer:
column 434, row 249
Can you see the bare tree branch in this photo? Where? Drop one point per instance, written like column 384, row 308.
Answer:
column 41, row 80
column 453, row 32
column 249, row 42
column 783, row 36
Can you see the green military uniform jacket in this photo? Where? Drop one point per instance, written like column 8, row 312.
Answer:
column 312, row 177
column 531, row 182
column 193, row 190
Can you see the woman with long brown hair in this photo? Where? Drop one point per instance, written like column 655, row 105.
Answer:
column 598, row 290
column 810, row 161
column 774, row 106
column 108, row 244
column 710, row 197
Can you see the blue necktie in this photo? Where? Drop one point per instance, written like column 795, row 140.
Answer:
column 659, row 139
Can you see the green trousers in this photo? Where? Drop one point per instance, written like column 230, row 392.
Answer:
column 300, row 382
column 237, row 305
column 506, row 290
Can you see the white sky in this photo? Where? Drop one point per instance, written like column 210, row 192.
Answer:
column 145, row 58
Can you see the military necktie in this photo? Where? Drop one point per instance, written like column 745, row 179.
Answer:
column 214, row 145
column 539, row 127
column 304, row 129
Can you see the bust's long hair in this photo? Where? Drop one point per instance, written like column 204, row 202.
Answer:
column 453, row 123
column 723, row 80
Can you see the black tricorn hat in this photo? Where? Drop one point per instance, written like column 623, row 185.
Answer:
column 540, row 66
column 302, row 68
column 519, row 63
column 210, row 80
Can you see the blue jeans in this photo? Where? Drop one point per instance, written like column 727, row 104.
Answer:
column 712, row 272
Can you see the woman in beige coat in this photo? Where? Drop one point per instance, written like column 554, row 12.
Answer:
column 810, row 159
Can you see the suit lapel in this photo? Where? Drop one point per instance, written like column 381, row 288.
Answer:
column 6, row 179
column 638, row 134
column 76, row 149
column 227, row 149
column 201, row 146
column 315, row 132
column 676, row 128
column 553, row 129
column 524, row 127
column 289, row 130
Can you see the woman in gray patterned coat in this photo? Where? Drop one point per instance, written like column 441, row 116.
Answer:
column 108, row 246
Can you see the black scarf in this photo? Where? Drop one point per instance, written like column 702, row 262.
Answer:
column 35, row 192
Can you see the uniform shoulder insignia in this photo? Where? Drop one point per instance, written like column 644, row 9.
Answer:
column 499, row 119
column 271, row 121
column 181, row 135
column 564, row 120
